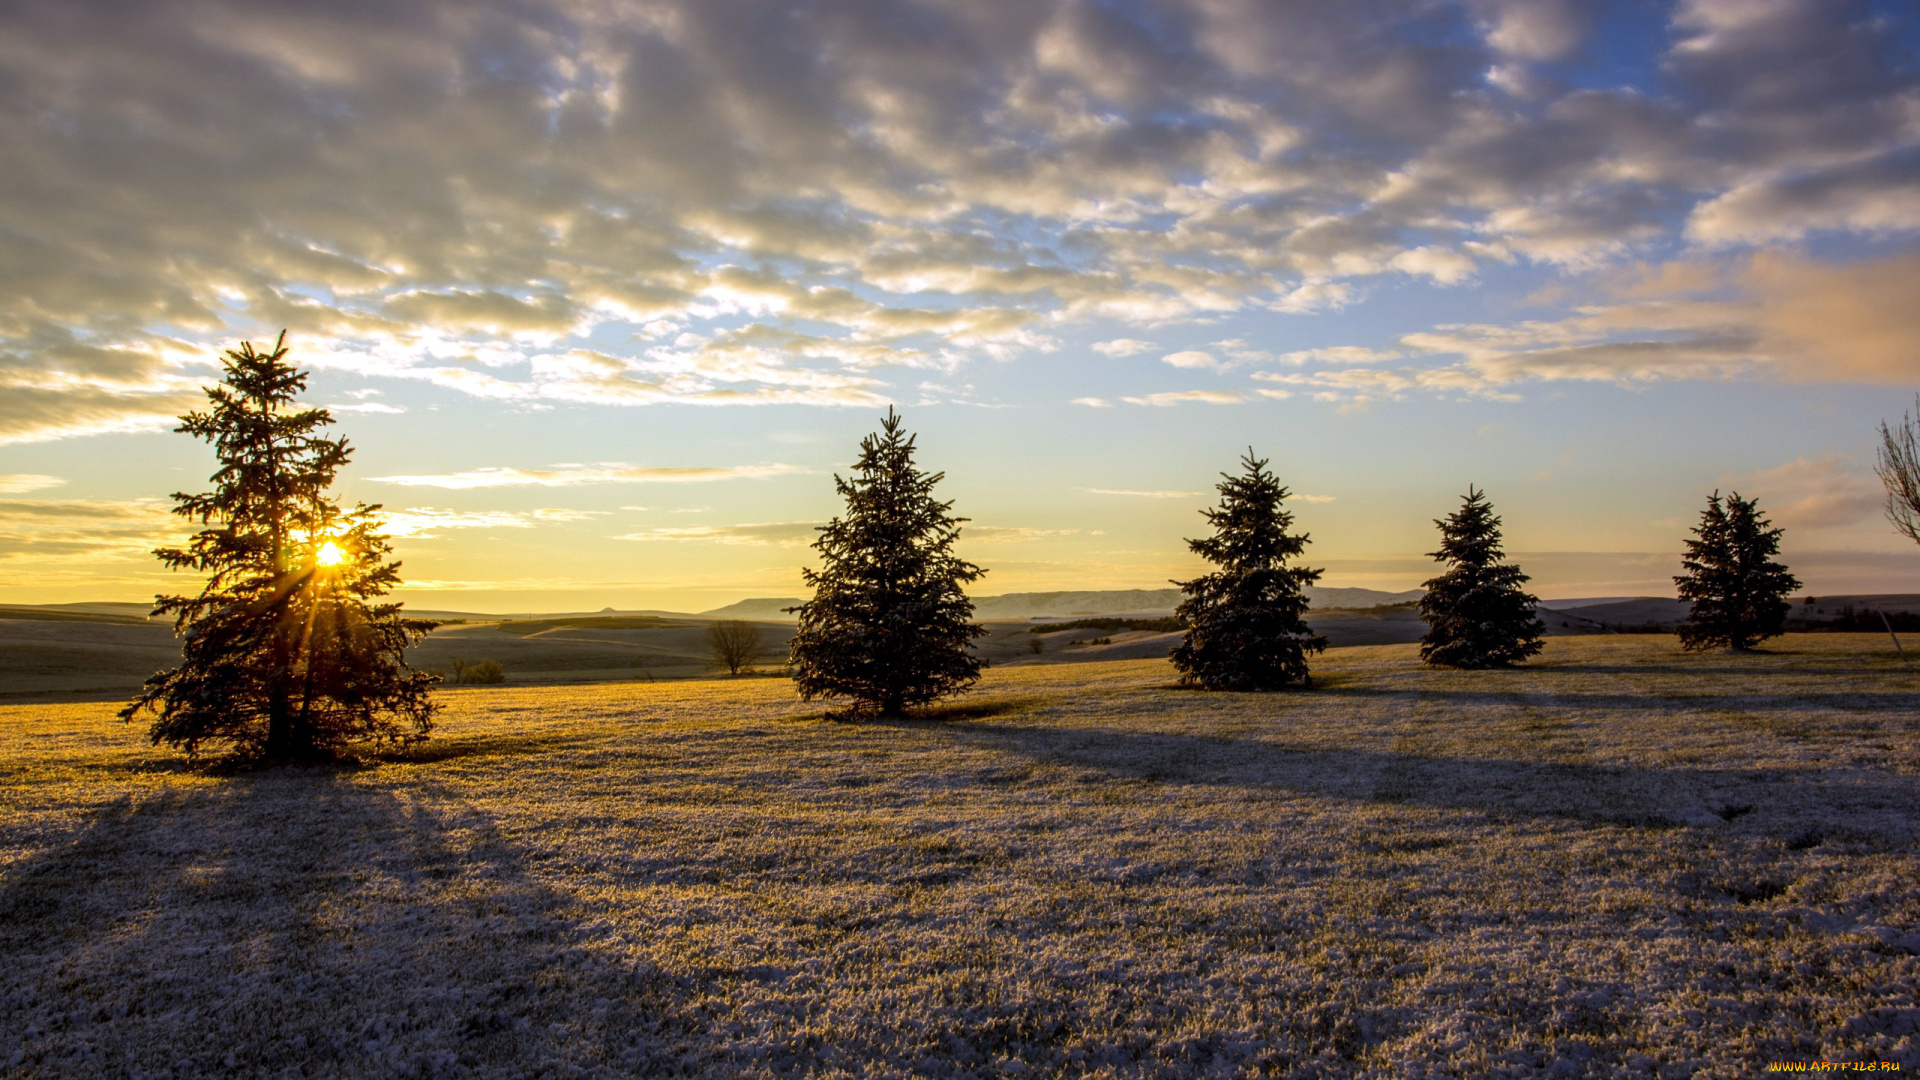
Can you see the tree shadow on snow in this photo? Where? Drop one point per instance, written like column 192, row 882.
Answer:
column 1890, row 702
column 1883, row 806
column 295, row 922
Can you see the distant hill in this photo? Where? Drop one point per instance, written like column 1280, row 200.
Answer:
column 1584, row 601
column 1640, row 613
column 763, row 608
column 1067, row 605
column 1666, row 613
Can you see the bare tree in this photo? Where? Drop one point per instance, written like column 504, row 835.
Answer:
column 1899, row 469
column 735, row 645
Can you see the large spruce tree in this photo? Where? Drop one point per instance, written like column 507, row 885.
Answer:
column 888, row 626
column 1739, row 593
column 285, row 655
column 1477, row 615
column 1245, row 629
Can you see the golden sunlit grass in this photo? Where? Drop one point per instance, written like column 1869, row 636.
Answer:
column 1617, row 861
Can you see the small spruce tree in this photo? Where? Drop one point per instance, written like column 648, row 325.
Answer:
column 888, row 625
column 1737, row 590
column 1245, row 629
column 1476, row 614
column 284, row 654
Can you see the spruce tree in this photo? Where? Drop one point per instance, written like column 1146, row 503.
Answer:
column 1737, row 590
column 1245, row 629
column 284, row 655
column 1476, row 614
column 888, row 625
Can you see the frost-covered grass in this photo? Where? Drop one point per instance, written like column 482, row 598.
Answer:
column 1617, row 861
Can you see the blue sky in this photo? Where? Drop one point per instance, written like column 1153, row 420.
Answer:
column 604, row 293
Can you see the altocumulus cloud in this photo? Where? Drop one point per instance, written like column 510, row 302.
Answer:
column 771, row 203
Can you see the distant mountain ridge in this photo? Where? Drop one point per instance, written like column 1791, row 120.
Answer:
column 1066, row 605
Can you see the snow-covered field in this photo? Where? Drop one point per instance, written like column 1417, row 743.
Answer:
column 1619, row 861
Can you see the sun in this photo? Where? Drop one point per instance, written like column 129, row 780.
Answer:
column 330, row 554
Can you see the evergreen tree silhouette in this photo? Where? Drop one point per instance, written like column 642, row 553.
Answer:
column 888, row 625
column 284, row 654
column 1476, row 614
column 1245, row 629
column 1738, row 592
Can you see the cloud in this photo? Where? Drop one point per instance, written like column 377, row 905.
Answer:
column 1353, row 385
column 777, row 533
column 1314, row 296
column 1815, row 493
column 21, row 483
column 425, row 522
column 1534, row 29
column 1092, row 402
column 1191, row 358
column 1000, row 534
column 1182, row 397
column 1443, row 265
column 574, row 475
column 1146, row 494
column 1875, row 197
column 1765, row 316
column 533, row 203
column 40, row 533
column 1340, row 354
column 1856, row 322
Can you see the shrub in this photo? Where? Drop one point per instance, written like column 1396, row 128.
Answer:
column 486, row 672
column 1159, row 626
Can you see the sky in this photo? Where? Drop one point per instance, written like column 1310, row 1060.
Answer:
column 604, row 294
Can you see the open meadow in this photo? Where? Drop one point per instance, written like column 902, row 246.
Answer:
column 1616, row 861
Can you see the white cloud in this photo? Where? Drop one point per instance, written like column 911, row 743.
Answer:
column 424, row 522
column 574, row 475
column 1534, row 29
column 1182, row 397
column 1122, row 347
column 1314, row 296
column 1443, row 265
column 1190, row 358
column 20, row 483
column 1340, row 354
